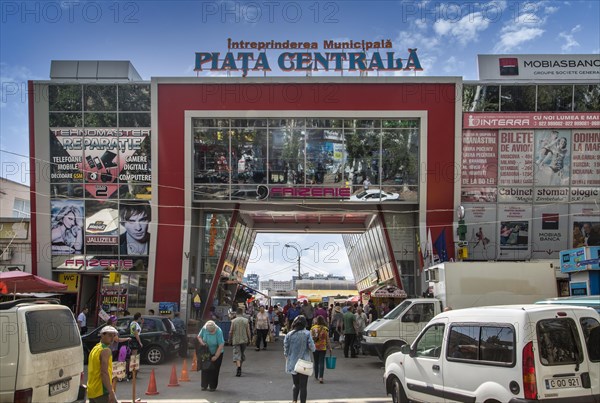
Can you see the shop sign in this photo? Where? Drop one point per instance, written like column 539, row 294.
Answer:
column 532, row 120
column 71, row 280
column 113, row 297
column 359, row 55
column 539, row 67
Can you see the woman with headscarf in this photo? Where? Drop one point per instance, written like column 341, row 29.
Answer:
column 320, row 335
column 297, row 344
column 211, row 336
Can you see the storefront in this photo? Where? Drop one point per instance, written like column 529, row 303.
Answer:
column 156, row 190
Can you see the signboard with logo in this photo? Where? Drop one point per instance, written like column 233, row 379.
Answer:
column 539, row 67
column 550, row 230
column 531, row 120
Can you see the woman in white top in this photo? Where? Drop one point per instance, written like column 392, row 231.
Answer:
column 262, row 327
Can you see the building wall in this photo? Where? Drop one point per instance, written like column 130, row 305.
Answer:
column 15, row 230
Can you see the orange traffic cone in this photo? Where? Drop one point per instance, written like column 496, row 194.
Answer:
column 173, row 380
column 184, row 372
column 195, row 362
column 152, row 385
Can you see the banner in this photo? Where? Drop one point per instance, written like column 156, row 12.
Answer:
column 515, row 164
column 552, row 157
column 585, row 164
column 66, row 226
column 481, row 231
column 479, row 158
column 586, row 225
column 531, row 120
column 514, row 231
column 550, row 230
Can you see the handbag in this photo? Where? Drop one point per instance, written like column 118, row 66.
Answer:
column 304, row 367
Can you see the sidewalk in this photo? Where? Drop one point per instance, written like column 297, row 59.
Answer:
column 264, row 380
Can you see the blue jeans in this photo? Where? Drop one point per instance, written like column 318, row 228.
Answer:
column 277, row 327
column 319, row 359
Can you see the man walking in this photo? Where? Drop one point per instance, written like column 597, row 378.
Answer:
column 99, row 383
column 82, row 321
column 349, row 328
column 239, row 336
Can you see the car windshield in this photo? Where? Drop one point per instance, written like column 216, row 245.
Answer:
column 397, row 311
column 361, row 194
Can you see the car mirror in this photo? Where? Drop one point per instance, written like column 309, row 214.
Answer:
column 405, row 349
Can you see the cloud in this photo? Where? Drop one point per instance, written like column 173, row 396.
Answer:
column 525, row 27
column 464, row 30
column 569, row 38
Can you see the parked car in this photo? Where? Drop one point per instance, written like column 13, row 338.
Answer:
column 374, row 195
column 512, row 353
column 592, row 301
column 40, row 354
column 158, row 337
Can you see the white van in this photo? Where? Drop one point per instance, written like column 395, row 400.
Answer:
column 513, row 353
column 41, row 357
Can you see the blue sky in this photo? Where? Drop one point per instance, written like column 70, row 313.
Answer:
column 160, row 38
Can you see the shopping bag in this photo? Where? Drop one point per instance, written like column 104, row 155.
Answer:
column 269, row 338
column 304, row 367
column 254, row 338
column 330, row 361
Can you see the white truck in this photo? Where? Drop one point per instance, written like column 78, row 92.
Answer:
column 456, row 285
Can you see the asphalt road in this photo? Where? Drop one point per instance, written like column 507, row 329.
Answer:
column 264, row 380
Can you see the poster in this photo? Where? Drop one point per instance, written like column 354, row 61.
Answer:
column 479, row 195
column 134, row 238
column 585, row 225
column 552, row 157
column 585, row 165
column 479, row 158
column 113, row 297
column 550, row 231
column 67, row 226
column 101, row 158
column 515, row 162
column 514, row 231
column 102, row 227
column 481, row 231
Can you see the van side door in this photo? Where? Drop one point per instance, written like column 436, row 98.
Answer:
column 591, row 333
column 415, row 318
column 423, row 367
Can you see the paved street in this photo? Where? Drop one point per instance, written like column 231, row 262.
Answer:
column 264, row 380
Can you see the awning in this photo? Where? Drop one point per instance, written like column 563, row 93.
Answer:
column 21, row 282
column 389, row 291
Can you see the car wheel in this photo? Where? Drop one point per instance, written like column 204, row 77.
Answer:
column 398, row 395
column 154, row 355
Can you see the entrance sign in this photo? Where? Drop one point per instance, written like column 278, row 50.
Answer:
column 296, row 58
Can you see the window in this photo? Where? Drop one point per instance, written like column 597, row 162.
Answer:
column 21, row 208
column 587, row 98
column 419, row 313
column 558, row 341
column 555, row 98
column 430, row 342
column 481, row 98
column 51, row 329
column 487, row 344
column 591, row 333
column 517, row 98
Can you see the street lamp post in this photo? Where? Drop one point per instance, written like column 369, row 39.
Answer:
column 299, row 251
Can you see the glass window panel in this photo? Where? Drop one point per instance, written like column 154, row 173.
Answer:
column 100, row 97
column 497, row 344
column 324, row 156
column 324, row 123
column 65, row 120
column 591, row 334
column 553, row 98
column 134, row 120
column 204, row 123
column 134, row 97
column 286, row 154
column 517, row 98
column 481, row 98
column 64, row 97
column 587, row 98
column 100, row 119
column 430, row 342
column 211, row 160
column 248, row 155
column 362, row 147
column 400, row 156
column 463, row 343
column 558, row 342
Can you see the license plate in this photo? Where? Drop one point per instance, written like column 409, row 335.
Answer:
column 563, row 383
column 59, row 387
